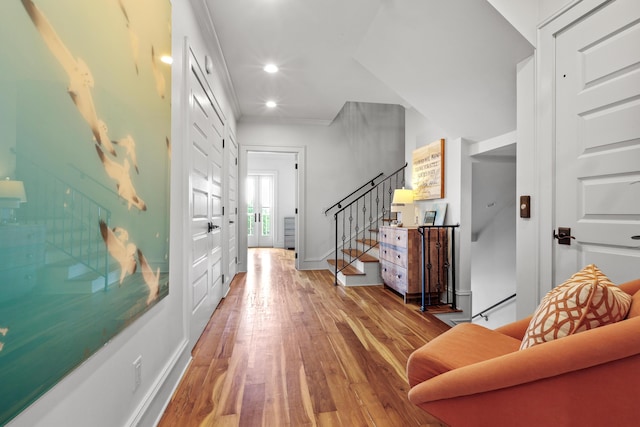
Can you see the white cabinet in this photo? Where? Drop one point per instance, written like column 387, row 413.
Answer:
column 289, row 232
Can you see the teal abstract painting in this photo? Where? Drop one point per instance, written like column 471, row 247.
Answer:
column 85, row 126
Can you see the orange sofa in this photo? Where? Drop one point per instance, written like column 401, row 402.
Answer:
column 474, row 376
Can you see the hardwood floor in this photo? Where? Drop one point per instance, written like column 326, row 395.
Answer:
column 288, row 348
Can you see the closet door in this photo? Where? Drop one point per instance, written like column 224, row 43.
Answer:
column 232, row 210
column 206, row 130
column 598, row 142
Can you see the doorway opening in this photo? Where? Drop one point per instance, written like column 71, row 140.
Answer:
column 493, row 238
column 270, row 178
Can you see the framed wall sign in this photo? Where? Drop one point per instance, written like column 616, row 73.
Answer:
column 428, row 171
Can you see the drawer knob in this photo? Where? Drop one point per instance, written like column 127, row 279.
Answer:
column 398, row 256
column 399, row 276
column 398, row 237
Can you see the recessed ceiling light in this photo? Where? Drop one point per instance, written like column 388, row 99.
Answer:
column 166, row 59
column 271, row 104
column 271, row 68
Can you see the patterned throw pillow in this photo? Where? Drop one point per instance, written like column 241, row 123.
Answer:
column 585, row 301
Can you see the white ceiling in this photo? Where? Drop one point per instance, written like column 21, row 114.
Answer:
column 454, row 61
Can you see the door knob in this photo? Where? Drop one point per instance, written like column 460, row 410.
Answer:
column 209, row 227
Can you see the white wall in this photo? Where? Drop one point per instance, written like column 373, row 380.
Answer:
column 454, row 67
column 522, row 14
column 493, row 250
column 458, row 176
column 100, row 391
column 525, row 15
column 526, row 228
column 283, row 164
column 420, row 131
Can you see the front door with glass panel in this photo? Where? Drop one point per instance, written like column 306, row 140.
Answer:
column 260, row 197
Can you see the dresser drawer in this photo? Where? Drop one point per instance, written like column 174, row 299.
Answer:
column 16, row 282
column 21, row 256
column 18, row 277
column 393, row 255
column 21, row 235
column 394, row 236
column 395, row 277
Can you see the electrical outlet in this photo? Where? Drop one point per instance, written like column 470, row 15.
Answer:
column 137, row 372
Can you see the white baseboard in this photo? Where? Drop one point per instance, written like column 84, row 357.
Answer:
column 152, row 407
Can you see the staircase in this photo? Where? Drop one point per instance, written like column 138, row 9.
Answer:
column 363, row 270
column 76, row 260
column 355, row 261
column 357, row 218
column 65, row 274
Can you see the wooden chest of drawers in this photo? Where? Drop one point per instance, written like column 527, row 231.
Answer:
column 21, row 254
column 400, row 263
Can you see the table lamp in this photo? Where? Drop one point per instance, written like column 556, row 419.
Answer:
column 12, row 194
column 403, row 205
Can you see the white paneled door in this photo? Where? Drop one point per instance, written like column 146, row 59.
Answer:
column 206, row 130
column 260, row 210
column 598, row 142
column 232, row 209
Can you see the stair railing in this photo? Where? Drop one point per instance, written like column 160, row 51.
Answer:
column 356, row 224
column 439, row 265
column 371, row 182
column 72, row 220
column 499, row 303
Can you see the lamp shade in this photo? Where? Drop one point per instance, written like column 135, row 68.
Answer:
column 12, row 193
column 402, row 196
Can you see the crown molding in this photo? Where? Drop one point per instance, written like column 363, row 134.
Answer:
column 203, row 17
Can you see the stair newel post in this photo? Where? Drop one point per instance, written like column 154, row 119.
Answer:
column 361, row 231
column 429, row 265
column 335, row 269
column 357, row 231
column 106, row 257
column 72, row 224
column 370, row 216
column 453, row 268
column 421, row 231
column 438, row 264
column 350, row 226
column 378, row 211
